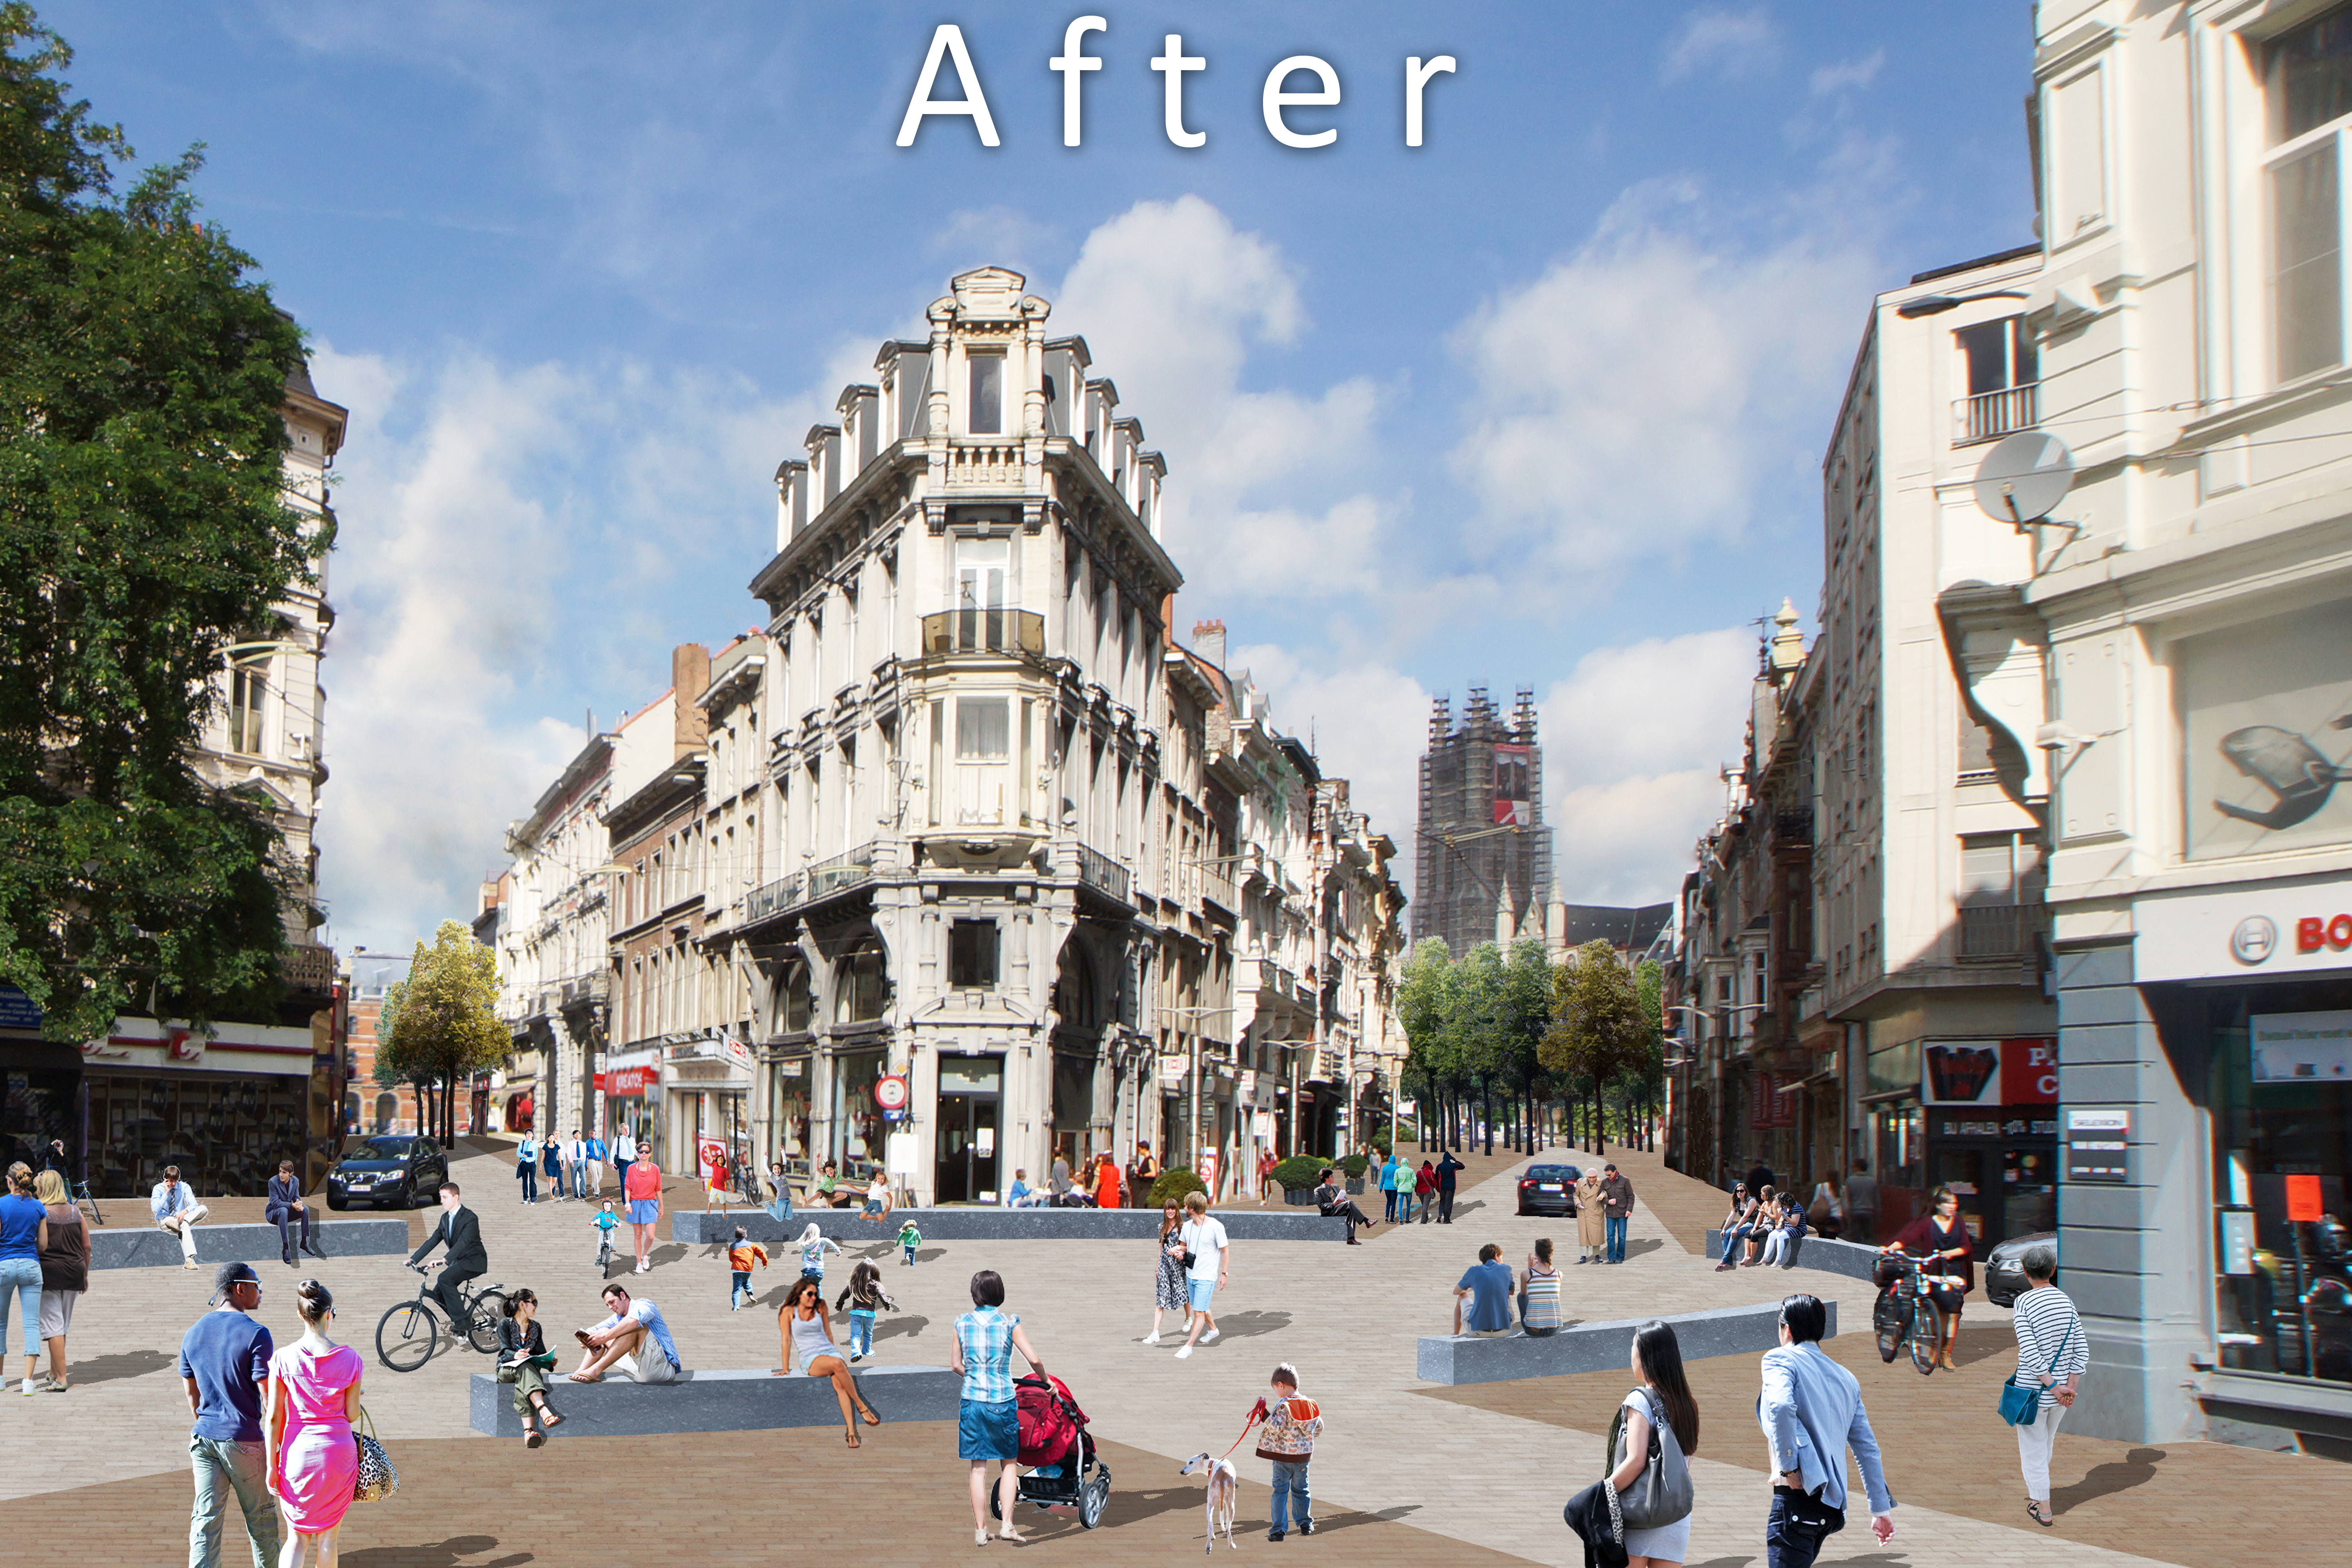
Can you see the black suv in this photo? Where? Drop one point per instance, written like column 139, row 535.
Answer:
column 388, row 1169
column 1548, row 1189
column 2004, row 1267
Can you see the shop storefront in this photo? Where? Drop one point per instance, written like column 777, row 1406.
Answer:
column 855, row 1129
column 705, row 1089
column 630, row 1080
column 964, row 1151
column 791, row 1078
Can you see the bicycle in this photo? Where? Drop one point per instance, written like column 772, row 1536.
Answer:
column 1907, row 1311
column 410, row 1332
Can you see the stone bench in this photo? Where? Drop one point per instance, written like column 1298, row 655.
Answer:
column 1853, row 1259
column 750, row 1400
column 979, row 1223
column 1596, row 1347
column 154, row 1248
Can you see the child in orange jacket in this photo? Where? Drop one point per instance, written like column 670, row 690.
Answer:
column 741, row 1257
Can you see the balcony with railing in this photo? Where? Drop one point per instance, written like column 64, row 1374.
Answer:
column 1103, row 875
column 308, row 969
column 1011, row 632
column 839, row 874
column 1998, row 933
column 1988, row 416
column 1218, row 889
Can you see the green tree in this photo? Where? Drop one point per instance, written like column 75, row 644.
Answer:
column 440, row 1025
column 1598, row 1030
column 1523, row 1016
column 1647, row 1076
column 1425, row 1009
column 143, row 530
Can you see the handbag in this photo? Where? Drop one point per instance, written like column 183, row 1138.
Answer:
column 1662, row 1494
column 2020, row 1403
column 374, row 1479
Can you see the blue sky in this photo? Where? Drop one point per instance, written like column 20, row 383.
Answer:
column 1539, row 403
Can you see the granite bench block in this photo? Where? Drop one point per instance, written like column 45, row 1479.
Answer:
column 1853, row 1259
column 156, row 1249
column 1595, row 1347
column 844, row 1227
column 748, row 1400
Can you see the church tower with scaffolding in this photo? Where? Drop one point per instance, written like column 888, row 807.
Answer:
column 1483, row 867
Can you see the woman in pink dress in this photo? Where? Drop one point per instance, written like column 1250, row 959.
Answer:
column 313, row 1462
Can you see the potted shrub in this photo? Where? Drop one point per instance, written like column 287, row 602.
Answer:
column 1172, row 1184
column 1353, row 1166
column 1295, row 1176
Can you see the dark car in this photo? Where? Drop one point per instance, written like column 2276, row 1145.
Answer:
column 2004, row 1266
column 1548, row 1189
column 390, row 1169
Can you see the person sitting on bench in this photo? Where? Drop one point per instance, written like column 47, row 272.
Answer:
column 633, row 1345
column 177, row 1210
column 285, row 1208
column 1332, row 1199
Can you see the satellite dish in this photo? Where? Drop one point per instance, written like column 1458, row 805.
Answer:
column 2024, row 478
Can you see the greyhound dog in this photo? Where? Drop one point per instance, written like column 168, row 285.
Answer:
column 1224, row 1489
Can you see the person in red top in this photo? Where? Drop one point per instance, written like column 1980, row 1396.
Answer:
column 1106, row 1182
column 1940, row 1239
column 1425, row 1187
column 643, row 1190
column 1266, row 1163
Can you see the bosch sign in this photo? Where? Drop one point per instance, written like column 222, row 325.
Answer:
column 2314, row 934
column 2216, row 933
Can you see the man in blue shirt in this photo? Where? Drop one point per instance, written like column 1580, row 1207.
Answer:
column 223, row 1364
column 633, row 1345
column 1487, row 1286
column 1811, row 1413
column 177, row 1210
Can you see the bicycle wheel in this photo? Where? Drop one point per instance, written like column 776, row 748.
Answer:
column 1889, row 1320
column 406, row 1336
column 482, row 1328
column 1927, row 1336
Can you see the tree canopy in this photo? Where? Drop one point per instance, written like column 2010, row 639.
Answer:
column 1598, row 1030
column 441, row 1023
column 143, row 529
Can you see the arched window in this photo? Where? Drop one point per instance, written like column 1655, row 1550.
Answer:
column 793, row 1010
column 387, row 1106
column 1073, row 990
column 862, row 980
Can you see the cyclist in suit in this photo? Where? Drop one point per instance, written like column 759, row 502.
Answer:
column 459, row 1231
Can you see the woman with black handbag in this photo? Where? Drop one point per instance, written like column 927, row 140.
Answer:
column 1651, row 1443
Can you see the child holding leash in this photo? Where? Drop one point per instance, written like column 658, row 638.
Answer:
column 1292, row 1424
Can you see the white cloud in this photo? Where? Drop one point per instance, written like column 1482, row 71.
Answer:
column 1847, row 75
column 1366, row 720
column 1634, row 740
column 1637, row 396
column 1729, row 44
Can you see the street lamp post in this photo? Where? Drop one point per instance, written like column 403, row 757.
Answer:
column 1936, row 304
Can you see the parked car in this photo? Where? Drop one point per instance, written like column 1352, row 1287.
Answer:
column 1548, row 1189
column 388, row 1170
column 2004, row 1266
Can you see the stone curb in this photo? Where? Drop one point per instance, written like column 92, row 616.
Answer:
column 217, row 1243
column 1456, row 1359
column 741, row 1401
column 843, row 1226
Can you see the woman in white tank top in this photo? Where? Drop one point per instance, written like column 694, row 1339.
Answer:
column 808, row 1339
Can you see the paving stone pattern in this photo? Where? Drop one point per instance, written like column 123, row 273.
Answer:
column 1476, row 1476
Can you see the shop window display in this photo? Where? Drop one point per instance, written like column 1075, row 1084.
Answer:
column 226, row 1132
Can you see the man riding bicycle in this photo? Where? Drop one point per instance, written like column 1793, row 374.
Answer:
column 460, row 1230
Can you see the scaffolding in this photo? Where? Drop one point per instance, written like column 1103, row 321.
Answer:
column 1483, row 855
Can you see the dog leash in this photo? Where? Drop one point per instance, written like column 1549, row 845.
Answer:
column 1247, row 1425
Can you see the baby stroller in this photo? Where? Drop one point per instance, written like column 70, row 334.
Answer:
column 1059, row 1467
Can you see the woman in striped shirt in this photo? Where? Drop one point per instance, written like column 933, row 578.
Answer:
column 1539, row 1308
column 2050, row 1352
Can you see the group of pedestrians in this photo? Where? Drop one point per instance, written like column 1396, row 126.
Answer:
column 573, row 1166
column 1409, row 1192
column 44, row 1269
column 1192, row 1260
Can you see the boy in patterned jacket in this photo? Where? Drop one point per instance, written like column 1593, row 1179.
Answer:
column 1292, row 1424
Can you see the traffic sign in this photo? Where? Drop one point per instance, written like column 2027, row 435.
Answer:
column 891, row 1092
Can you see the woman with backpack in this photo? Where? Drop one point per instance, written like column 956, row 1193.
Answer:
column 1662, row 1407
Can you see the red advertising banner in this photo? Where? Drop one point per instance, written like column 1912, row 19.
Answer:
column 1990, row 1072
column 2028, row 1071
column 625, row 1083
column 2305, row 1201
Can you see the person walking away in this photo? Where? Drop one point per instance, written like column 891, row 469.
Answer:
column 813, row 1246
column 1424, row 1188
column 65, row 1271
column 284, row 1208
column 596, row 1168
column 1540, row 1313
column 1486, row 1286
column 633, row 1345
column 625, row 1154
column 313, row 1460
column 987, row 1422
column 742, row 1257
column 1059, row 1181
column 807, row 1334
column 2050, row 1352
column 1825, row 1214
column 459, row 1229
column 1862, row 1205
column 1445, row 1169
column 1591, row 1223
column 862, row 1298
column 641, row 1189
column 1291, row 1425
column 1940, row 1239
column 1660, row 1402
column 1204, row 1239
column 177, row 1210
column 909, row 1238
column 24, row 1237
column 780, row 1195
column 1169, row 1293
column 1106, row 1182
column 225, row 1368
column 525, row 1361
column 1811, row 1413
column 1617, row 1206
column 1387, row 1185
column 527, row 1167
column 1332, row 1199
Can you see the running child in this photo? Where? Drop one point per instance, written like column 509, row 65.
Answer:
column 864, row 1298
column 909, row 1238
column 742, row 1257
column 813, row 1246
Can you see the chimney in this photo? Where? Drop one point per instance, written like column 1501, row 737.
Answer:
column 690, row 677
column 1208, row 641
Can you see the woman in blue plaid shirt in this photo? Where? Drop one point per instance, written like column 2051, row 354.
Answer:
column 988, row 1424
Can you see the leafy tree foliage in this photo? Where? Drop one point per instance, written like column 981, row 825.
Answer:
column 143, row 529
column 440, row 1025
column 1598, row 1030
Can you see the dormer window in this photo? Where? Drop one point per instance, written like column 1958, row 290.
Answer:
column 984, row 408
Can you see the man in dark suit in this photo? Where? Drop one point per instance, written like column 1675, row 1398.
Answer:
column 461, row 1232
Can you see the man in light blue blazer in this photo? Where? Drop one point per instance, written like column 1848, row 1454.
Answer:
column 1811, row 1413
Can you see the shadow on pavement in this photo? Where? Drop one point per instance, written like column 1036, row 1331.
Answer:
column 900, row 1328
column 1244, row 1325
column 671, row 1253
column 109, row 1368
column 2135, row 1468
column 453, row 1552
column 1349, row 1520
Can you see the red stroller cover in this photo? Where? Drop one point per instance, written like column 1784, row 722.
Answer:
column 1049, row 1417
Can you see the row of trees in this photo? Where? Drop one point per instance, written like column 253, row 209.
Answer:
column 1500, row 1038
column 440, row 1025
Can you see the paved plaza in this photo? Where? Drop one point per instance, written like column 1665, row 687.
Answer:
column 1406, row 1471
